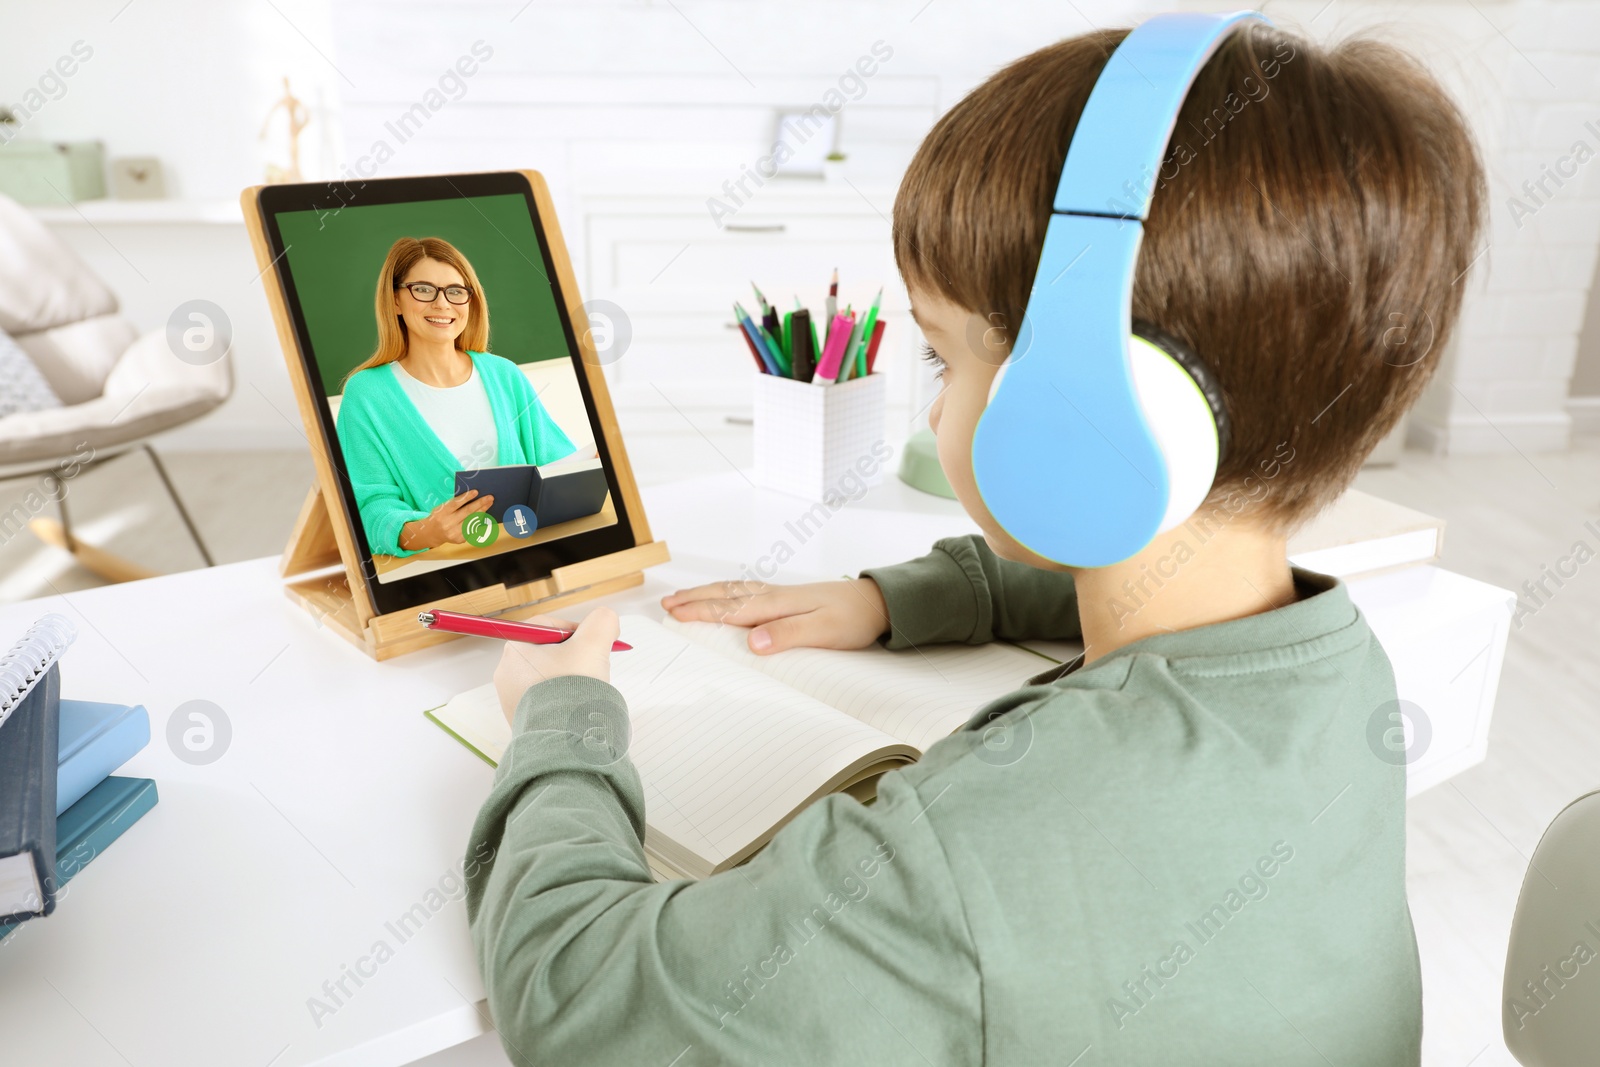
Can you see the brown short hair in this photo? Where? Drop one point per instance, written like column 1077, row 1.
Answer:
column 1307, row 236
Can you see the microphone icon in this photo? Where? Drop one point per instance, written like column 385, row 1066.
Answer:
column 520, row 521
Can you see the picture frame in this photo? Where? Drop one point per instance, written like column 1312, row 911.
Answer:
column 809, row 137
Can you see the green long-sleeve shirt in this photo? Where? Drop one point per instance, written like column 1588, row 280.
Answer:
column 1185, row 853
column 400, row 470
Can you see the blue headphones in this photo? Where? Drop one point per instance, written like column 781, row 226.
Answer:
column 1133, row 419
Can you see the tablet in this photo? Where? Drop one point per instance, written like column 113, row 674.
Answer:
column 433, row 334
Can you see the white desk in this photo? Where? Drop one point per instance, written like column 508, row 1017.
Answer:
column 200, row 936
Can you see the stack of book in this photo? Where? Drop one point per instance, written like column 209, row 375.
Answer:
column 60, row 805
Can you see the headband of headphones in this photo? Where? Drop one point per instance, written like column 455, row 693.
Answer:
column 1096, row 438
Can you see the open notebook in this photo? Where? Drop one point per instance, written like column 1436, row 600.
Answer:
column 731, row 745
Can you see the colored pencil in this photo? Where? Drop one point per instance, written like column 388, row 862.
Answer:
column 872, row 346
column 759, row 339
column 847, row 363
column 751, row 345
column 860, row 349
column 788, row 339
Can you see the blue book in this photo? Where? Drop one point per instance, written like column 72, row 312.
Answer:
column 96, row 739
column 88, row 827
column 508, row 485
column 560, row 491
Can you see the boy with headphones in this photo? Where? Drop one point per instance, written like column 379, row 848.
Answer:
column 1181, row 848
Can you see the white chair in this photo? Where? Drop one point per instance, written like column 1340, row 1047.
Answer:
column 1550, row 1004
column 117, row 388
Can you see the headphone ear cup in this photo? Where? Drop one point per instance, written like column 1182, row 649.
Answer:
column 1182, row 416
column 1197, row 369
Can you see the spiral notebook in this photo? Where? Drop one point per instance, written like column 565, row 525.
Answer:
column 30, row 700
column 25, row 664
column 730, row 745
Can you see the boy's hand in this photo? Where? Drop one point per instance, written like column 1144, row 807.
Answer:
column 586, row 652
column 844, row 614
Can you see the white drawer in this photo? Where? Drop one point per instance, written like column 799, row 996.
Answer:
column 686, row 257
column 676, row 275
column 684, row 359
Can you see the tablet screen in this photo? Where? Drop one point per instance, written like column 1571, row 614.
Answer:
column 450, row 390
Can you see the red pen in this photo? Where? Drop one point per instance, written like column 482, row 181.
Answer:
column 506, row 629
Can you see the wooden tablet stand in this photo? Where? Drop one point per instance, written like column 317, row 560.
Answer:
column 313, row 551
column 322, row 564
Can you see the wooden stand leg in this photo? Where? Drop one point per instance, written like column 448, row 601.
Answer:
column 312, row 545
column 329, row 598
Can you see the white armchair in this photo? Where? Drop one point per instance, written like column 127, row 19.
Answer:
column 117, row 388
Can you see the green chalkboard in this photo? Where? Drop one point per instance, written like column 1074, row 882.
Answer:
column 335, row 259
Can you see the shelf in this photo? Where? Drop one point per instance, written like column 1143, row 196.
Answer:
column 871, row 193
column 140, row 212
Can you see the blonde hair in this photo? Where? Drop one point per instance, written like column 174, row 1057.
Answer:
column 404, row 254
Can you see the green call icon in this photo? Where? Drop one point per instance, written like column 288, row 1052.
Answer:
column 479, row 529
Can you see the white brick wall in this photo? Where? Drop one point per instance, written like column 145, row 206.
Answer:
column 603, row 90
column 1534, row 294
column 1527, row 73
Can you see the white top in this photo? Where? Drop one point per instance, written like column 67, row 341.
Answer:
column 459, row 416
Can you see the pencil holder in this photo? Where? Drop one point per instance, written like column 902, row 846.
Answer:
column 822, row 442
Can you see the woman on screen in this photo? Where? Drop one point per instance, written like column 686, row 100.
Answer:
column 430, row 401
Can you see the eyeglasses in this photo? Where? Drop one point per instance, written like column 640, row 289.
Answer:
column 424, row 292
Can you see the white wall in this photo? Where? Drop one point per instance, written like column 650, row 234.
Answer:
column 623, row 90
column 190, row 83
column 186, row 81
column 1528, row 74
column 612, row 93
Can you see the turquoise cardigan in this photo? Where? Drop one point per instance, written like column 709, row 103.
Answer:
column 399, row 468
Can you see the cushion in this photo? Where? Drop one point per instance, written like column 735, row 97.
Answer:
column 22, row 387
column 146, row 392
column 77, row 357
column 43, row 283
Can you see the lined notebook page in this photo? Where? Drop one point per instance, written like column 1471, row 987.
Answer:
column 724, row 753
column 915, row 695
